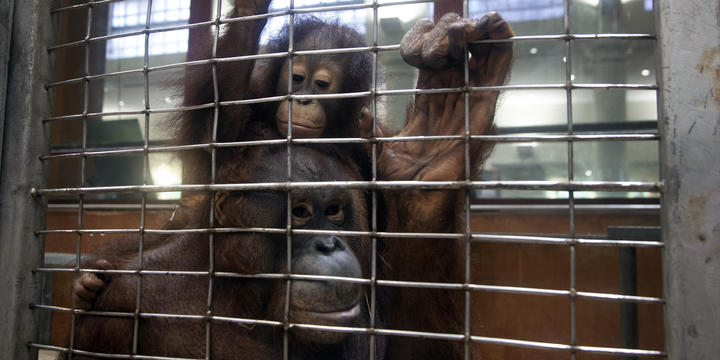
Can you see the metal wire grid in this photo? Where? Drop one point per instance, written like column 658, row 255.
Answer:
column 571, row 241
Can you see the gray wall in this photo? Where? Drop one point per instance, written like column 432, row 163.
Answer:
column 27, row 103
column 690, row 150
column 6, row 15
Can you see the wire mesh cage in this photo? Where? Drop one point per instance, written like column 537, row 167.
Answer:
column 552, row 250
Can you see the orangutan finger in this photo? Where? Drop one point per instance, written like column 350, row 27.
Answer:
column 411, row 46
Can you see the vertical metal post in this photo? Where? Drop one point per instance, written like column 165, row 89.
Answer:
column 467, row 330
column 571, row 177
column 373, row 323
column 690, row 124
column 288, row 246
column 25, row 138
column 6, row 15
column 213, row 170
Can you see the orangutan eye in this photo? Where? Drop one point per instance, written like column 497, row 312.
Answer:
column 301, row 214
column 335, row 213
column 322, row 84
column 298, row 78
column 332, row 210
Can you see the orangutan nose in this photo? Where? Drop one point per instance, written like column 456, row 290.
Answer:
column 326, row 245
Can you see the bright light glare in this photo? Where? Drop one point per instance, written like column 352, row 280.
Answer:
column 165, row 174
column 590, row 2
column 355, row 19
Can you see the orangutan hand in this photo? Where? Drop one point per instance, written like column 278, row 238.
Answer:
column 438, row 50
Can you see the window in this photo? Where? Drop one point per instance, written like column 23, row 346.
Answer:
column 128, row 16
column 353, row 18
column 521, row 10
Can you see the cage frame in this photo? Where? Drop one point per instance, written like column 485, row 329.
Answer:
column 690, row 295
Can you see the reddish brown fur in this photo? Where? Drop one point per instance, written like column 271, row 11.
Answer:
column 233, row 252
column 437, row 50
column 434, row 50
column 242, row 122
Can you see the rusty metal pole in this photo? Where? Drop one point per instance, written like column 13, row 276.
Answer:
column 6, row 15
column 690, row 151
column 25, row 138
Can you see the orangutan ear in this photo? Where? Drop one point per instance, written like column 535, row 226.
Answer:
column 221, row 203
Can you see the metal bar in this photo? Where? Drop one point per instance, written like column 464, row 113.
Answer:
column 660, row 105
column 404, row 333
column 6, row 17
column 494, row 138
column 136, row 112
column 570, row 348
column 373, row 322
column 358, row 94
column 604, row 297
column 611, row 208
column 213, row 171
column 109, row 206
column 24, row 138
column 689, row 148
column 145, row 173
column 364, row 94
column 285, row 186
column 288, row 196
column 83, row 160
column 467, row 194
column 571, row 176
column 213, row 60
column 476, row 236
column 291, row 11
column 89, row 77
column 560, row 240
column 586, row 86
column 71, row 352
column 559, row 37
column 481, row 339
column 565, row 37
column 145, row 31
column 80, row 6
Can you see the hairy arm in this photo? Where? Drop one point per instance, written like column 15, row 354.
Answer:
column 232, row 78
column 438, row 50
